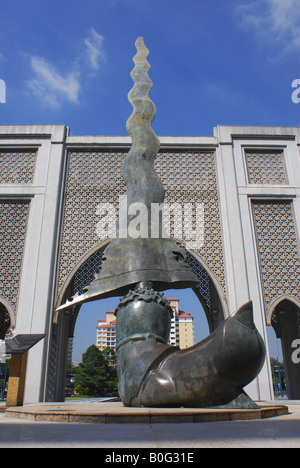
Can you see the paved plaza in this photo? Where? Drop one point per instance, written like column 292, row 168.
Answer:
column 277, row 432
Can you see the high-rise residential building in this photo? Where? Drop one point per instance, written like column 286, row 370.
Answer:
column 182, row 326
column 181, row 333
column 106, row 332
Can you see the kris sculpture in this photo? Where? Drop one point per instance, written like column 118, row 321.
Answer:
column 151, row 372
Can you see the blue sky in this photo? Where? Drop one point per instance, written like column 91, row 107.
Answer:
column 212, row 62
column 85, row 330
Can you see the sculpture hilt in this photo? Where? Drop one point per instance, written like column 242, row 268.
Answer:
column 211, row 373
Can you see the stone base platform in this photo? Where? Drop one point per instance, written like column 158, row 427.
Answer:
column 115, row 412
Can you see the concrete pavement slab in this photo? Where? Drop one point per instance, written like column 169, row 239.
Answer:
column 276, row 432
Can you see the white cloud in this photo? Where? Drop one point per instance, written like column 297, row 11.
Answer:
column 277, row 21
column 51, row 86
column 94, row 48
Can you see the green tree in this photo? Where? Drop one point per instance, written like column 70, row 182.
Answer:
column 94, row 376
column 110, row 356
column 4, row 373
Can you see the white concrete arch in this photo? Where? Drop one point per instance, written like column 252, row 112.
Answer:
column 276, row 302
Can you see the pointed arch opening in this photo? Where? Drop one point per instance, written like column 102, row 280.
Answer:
column 208, row 292
column 285, row 320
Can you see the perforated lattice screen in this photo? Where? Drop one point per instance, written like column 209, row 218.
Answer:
column 278, row 249
column 86, row 272
column 96, row 177
column 13, row 224
column 266, row 167
column 203, row 286
column 17, row 167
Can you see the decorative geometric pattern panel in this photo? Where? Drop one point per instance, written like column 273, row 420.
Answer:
column 87, row 271
column 278, row 250
column 17, row 167
column 13, row 223
column 203, row 286
column 266, row 167
column 189, row 179
column 94, row 178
